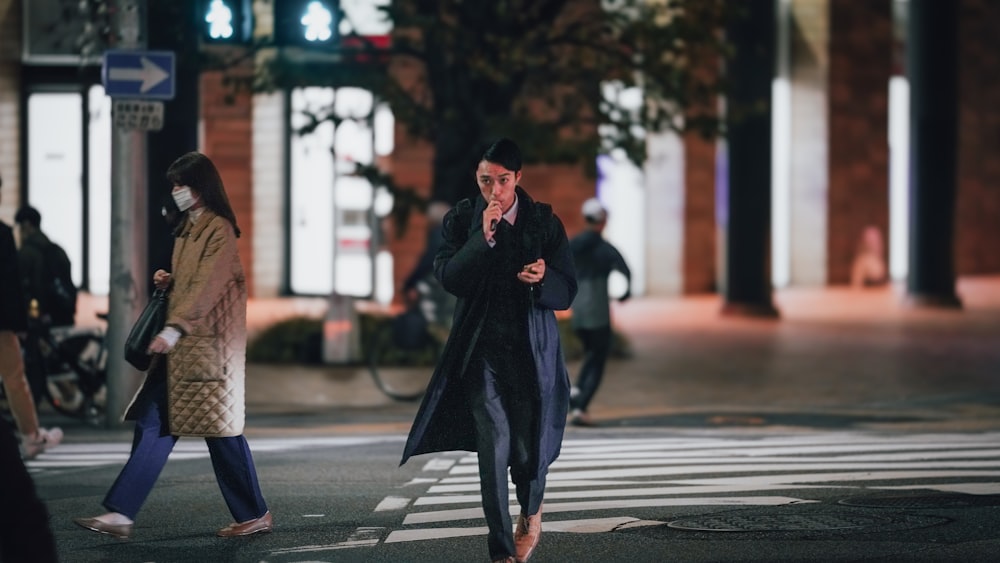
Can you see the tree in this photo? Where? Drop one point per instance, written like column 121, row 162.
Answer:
column 569, row 79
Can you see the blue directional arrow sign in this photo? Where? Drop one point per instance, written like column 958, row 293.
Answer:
column 139, row 74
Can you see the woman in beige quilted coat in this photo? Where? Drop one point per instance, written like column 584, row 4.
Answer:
column 195, row 385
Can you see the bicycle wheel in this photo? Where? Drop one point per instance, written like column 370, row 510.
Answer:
column 76, row 383
column 401, row 372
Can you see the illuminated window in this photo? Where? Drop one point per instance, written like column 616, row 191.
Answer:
column 332, row 210
column 56, row 185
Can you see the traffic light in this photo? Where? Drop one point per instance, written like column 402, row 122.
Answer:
column 225, row 21
column 306, row 23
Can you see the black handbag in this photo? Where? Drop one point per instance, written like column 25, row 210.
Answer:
column 145, row 329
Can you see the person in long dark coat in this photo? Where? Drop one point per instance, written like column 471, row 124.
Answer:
column 501, row 388
column 25, row 534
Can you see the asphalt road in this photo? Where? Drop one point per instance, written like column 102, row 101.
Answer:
column 622, row 494
column 853, row 429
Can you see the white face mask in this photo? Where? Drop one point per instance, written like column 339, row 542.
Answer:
column 183, row 198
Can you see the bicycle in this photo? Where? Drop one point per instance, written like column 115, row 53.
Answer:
column 67, row 366
column 403, row 349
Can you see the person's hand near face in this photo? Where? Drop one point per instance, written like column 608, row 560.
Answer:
column 496, row 184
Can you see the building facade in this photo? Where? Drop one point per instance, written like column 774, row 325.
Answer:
column 839, row 165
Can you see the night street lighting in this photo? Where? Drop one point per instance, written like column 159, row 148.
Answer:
column 306, row 23
column 225, row 21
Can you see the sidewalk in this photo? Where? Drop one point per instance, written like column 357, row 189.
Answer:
column 835, row 357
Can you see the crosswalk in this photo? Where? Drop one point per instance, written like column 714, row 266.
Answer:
column 599, row 485
column 605, row 484
column 74, row 456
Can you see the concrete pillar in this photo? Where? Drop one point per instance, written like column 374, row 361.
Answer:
column 931, row 61
column 744, row 181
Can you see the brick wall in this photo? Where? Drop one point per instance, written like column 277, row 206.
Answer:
column 227, row 139
column 10, row 109
column 860, row 66
column 977, row 219
column 699, row 238
column 411, row 167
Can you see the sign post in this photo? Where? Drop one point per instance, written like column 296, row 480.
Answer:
column 128, row 277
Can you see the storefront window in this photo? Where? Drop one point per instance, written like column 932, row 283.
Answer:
column 331, row 206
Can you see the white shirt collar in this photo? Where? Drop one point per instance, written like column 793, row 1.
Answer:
column 511, row 214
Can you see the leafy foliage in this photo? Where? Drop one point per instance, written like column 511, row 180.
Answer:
column 568, row 79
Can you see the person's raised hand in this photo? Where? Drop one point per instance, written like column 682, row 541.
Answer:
column 491, row 218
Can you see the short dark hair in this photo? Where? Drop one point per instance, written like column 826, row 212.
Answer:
column 504, row 152
column 29, row 215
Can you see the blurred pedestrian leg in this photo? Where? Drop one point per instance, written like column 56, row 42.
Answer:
column 25, row 536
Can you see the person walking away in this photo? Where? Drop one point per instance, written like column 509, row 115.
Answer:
column 25, row 536
column 595, row 259
column 195, row 384
column 421, row 287
column 13, row 320
column 46, row 270
column 49, row 291
column 501, row 388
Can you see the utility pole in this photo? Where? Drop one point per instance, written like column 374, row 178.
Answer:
column 129, row 278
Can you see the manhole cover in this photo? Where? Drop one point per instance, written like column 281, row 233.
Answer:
column 775, row 522
column 948, row 500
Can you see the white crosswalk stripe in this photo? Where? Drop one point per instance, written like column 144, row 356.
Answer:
column 69, row 456
column 612, row 479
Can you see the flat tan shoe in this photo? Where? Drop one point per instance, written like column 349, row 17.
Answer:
column 260, row 525
column 120, row 531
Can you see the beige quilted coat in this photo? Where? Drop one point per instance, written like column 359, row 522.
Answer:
column 207, row 302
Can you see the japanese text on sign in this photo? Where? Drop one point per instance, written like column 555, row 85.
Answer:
column 138, row 115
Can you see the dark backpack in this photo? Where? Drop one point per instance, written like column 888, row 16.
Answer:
column 59, row 297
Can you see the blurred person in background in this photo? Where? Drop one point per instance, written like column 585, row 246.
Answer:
column 595, row 259
column 436, row 304
column 25, row 536
column 46, row 271
column 14, row 321
column 869, row 268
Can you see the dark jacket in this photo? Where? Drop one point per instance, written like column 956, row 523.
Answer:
column 444, row 421
column 13, row 311
column 41, row 262
column 31, row 261
column 595, row 259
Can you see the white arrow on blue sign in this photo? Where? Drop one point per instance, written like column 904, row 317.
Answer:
column 138, row 74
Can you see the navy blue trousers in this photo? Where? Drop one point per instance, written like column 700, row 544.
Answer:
column 596, row 347
column 152, row 444
column 506, row 416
